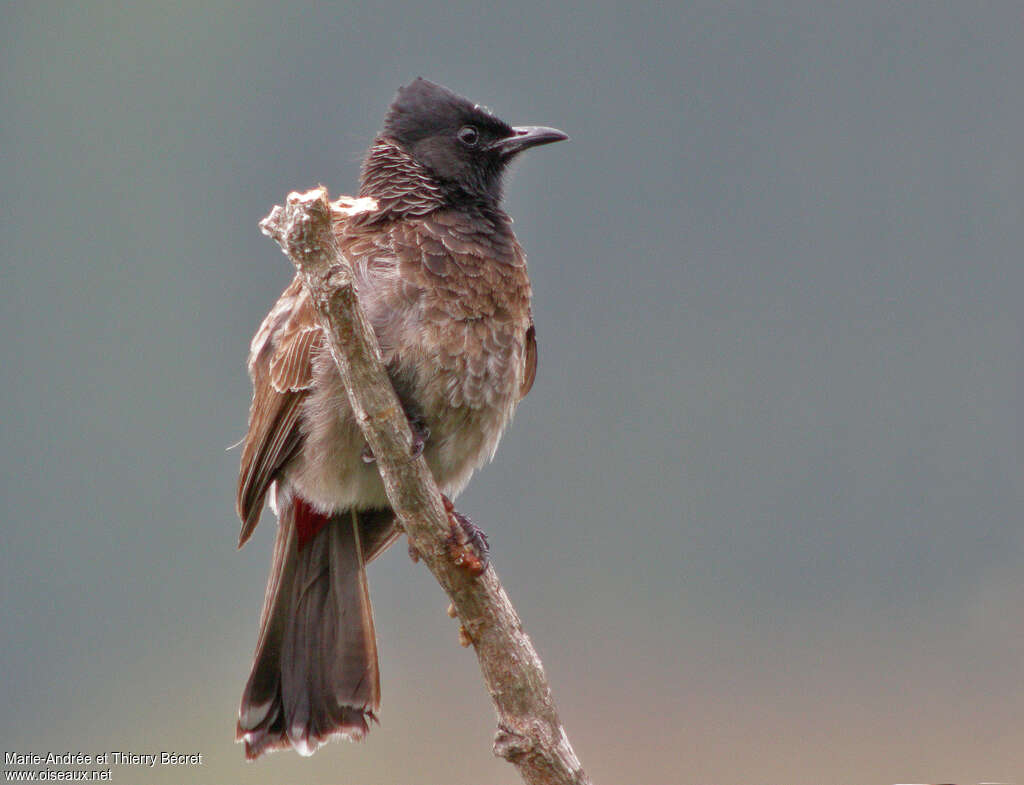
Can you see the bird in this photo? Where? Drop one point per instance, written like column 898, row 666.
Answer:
column 444, row 284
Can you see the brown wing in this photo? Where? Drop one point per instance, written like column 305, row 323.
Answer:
column 529, row 361
column 280, row 363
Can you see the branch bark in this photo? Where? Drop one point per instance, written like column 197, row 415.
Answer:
column 530, row 734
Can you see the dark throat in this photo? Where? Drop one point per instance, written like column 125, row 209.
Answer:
column 404, row 187
column 400, row 184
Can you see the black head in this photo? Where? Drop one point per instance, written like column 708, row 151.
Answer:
column 461, row 144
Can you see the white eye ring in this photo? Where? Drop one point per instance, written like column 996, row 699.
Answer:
column 469, row 136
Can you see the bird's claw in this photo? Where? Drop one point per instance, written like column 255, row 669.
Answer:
column 420, row 434
column 467, row 543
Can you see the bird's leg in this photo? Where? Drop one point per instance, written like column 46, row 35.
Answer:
column 467, row 543
column 420, row 434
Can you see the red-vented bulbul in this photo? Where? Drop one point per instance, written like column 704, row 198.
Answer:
column 443, row 281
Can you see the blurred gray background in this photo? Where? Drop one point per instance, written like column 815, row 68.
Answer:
column 761, row 513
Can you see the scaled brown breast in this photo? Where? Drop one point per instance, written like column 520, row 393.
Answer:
column 474, row 303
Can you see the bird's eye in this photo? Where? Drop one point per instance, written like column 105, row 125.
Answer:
column 469, row 136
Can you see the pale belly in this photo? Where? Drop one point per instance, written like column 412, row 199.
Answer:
column 330, row 471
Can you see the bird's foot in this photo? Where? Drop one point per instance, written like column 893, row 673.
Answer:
column 420, row 434
column 467, row 543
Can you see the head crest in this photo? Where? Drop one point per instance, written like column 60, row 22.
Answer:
column 423, row 108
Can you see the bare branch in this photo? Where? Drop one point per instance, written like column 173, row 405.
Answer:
column 529, row 734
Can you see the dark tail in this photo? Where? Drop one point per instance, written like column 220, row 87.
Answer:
column 314, row 675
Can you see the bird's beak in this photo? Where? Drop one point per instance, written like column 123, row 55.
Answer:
column 527, row 136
